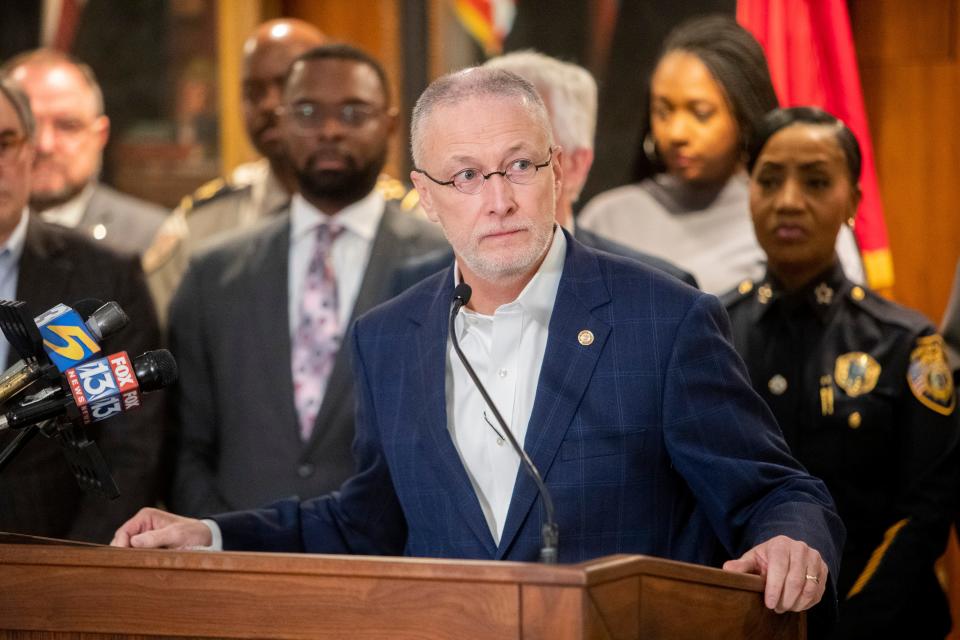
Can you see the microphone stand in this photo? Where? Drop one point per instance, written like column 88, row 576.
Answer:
column 550, row 533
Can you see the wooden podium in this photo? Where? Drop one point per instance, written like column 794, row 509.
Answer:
column 55, row 591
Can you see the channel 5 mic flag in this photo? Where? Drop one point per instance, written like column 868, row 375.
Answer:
column 66, row 337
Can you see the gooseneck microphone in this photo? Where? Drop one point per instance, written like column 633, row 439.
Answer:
column 550, row 534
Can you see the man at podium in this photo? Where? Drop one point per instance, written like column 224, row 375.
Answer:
column 620, row 382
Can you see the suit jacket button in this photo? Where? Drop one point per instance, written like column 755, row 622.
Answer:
column 306, row 470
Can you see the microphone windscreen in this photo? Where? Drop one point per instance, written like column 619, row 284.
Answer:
column 462, row 293
column 107, row 320
column 155, row 369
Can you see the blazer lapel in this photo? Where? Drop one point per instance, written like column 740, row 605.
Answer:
column 43, row 253
column 564, row 376
column 268, row 266
column 431, row 344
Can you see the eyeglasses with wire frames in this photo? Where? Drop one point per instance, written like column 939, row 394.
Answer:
column 471, row 181
column 10, row 145
column 311, row 116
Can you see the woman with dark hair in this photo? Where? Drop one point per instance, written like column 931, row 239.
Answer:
column 709, row 88
column 859, row 385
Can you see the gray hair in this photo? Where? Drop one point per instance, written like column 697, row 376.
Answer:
column 471, row 83
column 21, row 105
column 46, row 58
column 569, row 90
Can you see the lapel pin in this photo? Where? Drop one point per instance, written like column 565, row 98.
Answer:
column 585, row 337
column 777, row 385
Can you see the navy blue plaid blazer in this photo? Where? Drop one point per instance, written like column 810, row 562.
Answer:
column 651, row 439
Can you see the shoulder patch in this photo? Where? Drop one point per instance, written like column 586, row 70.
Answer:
column 168, row 237
column 929, row 376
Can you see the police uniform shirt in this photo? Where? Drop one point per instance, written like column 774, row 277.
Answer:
column 863, row 394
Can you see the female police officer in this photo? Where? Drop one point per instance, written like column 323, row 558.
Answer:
column 859, row 385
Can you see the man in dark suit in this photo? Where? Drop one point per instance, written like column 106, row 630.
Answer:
column 234, row 324
column 620, row 381
column 72, row 131
column 570, row 94
column 43, row 265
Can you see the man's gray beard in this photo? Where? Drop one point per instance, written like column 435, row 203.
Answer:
column 513, row 269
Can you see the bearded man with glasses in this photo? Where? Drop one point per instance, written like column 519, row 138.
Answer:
column 619, row 380
column 264, row 401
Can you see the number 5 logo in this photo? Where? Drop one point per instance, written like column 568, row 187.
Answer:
column 74, row 340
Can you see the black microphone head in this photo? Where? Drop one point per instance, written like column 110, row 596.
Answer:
column 155, row 369
column 107, row 320
column 87, row 307
column 462, row 293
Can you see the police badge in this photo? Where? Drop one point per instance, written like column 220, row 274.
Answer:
column 929, row 375
column 856, row 373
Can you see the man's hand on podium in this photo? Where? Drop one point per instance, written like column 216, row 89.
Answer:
column 153, row 528
column 795, row 575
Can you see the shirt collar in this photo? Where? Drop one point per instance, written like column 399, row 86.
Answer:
column 12, row 249
column 538, row 297
column 70, row 213
column 361, row 217
column 820, row 295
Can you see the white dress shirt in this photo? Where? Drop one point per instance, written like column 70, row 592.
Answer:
column 506, row 350
column 349, row 255
column 10, row 253
column 70, row 213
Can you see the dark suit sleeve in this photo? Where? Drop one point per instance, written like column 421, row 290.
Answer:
column 131, row 444
column 194, row 488
column 364, row 517
column 725, row 443
column 900, row 568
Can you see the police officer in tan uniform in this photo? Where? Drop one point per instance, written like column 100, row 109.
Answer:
column 859, row 385
column 254, row 190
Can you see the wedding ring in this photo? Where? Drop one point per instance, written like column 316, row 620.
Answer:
column 816, row 579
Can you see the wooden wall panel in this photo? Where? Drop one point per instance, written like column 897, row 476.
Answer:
column 911, row 81
column 910, row 73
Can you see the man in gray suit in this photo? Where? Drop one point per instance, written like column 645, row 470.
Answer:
column 246, row 304
column 71, row 133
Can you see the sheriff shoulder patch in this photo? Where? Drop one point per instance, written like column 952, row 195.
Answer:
column 929, row 376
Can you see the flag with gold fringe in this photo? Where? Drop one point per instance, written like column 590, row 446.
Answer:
column 487, row 21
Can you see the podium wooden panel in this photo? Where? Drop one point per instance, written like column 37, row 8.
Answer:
column 58, row 591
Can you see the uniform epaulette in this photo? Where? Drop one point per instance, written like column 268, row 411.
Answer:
column 208, row 192
column 886, row 311
column 738, row 294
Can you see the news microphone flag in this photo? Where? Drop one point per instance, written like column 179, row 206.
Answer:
column 104, row 387
column 66, row 338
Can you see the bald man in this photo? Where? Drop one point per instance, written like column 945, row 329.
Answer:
column 254, row 190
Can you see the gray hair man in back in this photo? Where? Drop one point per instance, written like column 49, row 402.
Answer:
column 570, row 95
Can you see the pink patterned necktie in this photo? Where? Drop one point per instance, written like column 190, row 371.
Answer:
column 317, row 338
